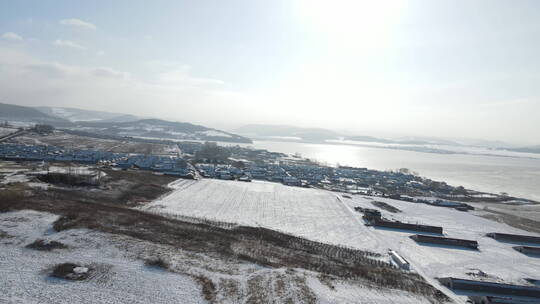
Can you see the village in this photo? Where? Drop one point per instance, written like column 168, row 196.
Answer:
column 193, row 160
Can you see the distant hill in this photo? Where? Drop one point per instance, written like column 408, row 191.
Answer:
column 121, row 118
column 532, row 149
column 74, row 114
column 157, row 128
column 26, row 114
column 89, row 122
column 402, row 141
column 287, row 132
column 369, row 139
column 422, row 140
column 486, row 143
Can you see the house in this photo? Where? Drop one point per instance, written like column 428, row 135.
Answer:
column 399, row 260
column 291, row 181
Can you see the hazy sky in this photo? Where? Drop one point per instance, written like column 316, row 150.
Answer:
column 428, row 68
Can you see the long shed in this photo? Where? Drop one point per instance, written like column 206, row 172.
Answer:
column 490, row 287
column 420, row 238
column 374, row 221
column 528, row 249
column 514, row 237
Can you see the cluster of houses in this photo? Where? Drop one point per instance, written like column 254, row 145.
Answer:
column 344, row 179
column 226, row 172
column 172, row 165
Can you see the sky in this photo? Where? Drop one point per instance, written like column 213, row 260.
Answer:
column 450, row 69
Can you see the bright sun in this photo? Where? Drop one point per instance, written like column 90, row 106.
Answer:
column 369, row 21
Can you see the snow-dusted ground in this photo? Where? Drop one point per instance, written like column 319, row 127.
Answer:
column 11, row 172
column 529, row 211
column 329, row 217
column 214, row 133
column 14, row 177
column 122, row 277
column 10, row 175
column 6, row 131
column 345, row 293
column 24, row 277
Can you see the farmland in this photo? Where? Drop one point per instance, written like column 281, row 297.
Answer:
column 329, row 217
column 316, row 214
column 61, row 139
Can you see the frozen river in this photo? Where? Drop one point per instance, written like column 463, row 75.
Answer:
column 518, row 176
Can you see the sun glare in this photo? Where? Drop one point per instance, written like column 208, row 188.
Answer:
column 345, row 17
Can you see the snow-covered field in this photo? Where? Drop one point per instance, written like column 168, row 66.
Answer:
column 329, row 217
column 314, row 214
column 122, row 276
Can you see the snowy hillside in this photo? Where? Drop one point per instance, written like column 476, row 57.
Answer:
column 158, row 129
column 121, row 276
column 73, row 114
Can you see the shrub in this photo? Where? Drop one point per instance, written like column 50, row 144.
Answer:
column 65, row 222
column 10, row 198
column 44, row 245
column 157, row 262
column 208, row 288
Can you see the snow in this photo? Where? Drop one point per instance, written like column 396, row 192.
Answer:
column 14, row 177
column 118, row 275
column 284, row 137
column 19, row 124
column 79, row 170
column 61, row 112
column 214, row 133
column 344, row 292
column 328, row 217
column 123, row 279
column 495, row 258
column 6, row 131
column 80, row 269
column 41, row 186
